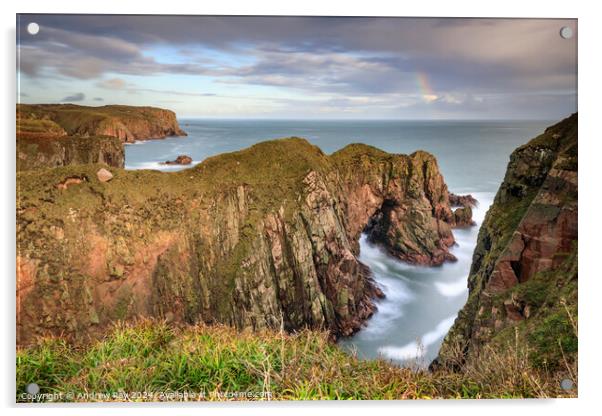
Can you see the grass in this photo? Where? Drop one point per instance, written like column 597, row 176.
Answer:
column 142, row 361
column 36, row 126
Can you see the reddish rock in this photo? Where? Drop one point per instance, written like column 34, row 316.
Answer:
column 462, row 200
column 502, row 278
column 463, row 217
column 104, row 175
column 513, row 312
column 548, row 228
column 411, row 219
column 74, row 180
column 275, row 250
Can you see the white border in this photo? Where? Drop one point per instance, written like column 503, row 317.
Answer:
column 590, row 127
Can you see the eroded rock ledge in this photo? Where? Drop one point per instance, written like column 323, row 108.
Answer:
column 264, row 237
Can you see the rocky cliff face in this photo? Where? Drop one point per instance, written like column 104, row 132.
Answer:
column 401, row 202
column 49, row 152
column 523, row 279
column 124, row 122
column 264, row 237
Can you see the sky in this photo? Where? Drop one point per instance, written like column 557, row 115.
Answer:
column 303, row 67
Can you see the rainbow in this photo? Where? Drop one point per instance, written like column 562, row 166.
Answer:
column 424, row 86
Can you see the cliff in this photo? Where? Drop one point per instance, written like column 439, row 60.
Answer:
column 127, row 123
column 523, row 278
column 261, row 238
column 51, row 135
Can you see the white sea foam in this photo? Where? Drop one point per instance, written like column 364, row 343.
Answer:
column 407, row 352
column 485, row 200
column 452, row 289
column 159, row 166
column 136, row 142
column 417, row 349
column 439, row 332
column 390, row 309
column 143, row 165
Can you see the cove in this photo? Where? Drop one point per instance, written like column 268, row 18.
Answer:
column 420, row 304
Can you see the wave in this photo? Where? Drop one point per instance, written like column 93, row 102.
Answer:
column 137, row 142
column 452, row 289
column 407, row 287
column 159, row 166
column 417, row 349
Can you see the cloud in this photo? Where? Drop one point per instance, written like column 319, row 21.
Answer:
column 112, row 84
column 355, row 63
column 98, row 99
column 120, row 84
column 492, row 40
column 181, row 93
column 483, row 51
column 82, row 56
column 328, row 74
column 80, row 96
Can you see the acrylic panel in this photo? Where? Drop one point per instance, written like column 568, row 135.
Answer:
column 295, row 208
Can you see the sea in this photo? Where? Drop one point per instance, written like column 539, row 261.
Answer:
column 421, row 302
